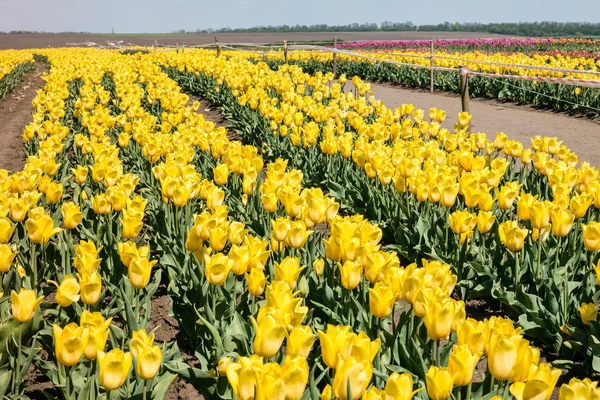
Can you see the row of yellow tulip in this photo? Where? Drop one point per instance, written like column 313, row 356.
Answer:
column 9, row 59
column 475, row 61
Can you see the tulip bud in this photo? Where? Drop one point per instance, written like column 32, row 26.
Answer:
column 300, row 341
column 114, row 368
column 68, row 291
column 591, row 236
column 294, row 373
column 462, row 364
column 439, row 383
column 90, row 287
column 588, row 313
column 70, row 343
column 6, row 257
column 71, row 214
column 24, row 304
column 353, row 374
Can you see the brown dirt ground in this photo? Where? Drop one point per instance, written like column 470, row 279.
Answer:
column 15, row 113
column 519, row 122
column 35, row 40
column 168, row 331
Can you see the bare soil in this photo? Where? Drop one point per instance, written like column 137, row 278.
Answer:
column 35, row 40
column 519, row 122
column 15, row 113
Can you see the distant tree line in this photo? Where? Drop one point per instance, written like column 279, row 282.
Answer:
column 531, row 29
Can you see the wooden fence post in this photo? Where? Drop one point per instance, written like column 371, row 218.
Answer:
column 264, row 56
column 218, row 46
column 177, row 47
column 285, row 51
column 334, row 67
column 431, row 77
column 464, row 89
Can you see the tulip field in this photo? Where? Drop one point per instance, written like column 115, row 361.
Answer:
column 339, row 250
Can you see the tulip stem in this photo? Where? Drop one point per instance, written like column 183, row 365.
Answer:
column 516, row 269
column 469, row 387
column 492, row 383
column 145, row 390
column 18, row 366
column 33, row 265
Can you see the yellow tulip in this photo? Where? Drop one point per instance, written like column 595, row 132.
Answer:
column 580, row 204
column 579, row 390
column 327, row 393
column 149, row 359
column 114, row 368
column 217, row 268
column 67, row 292
column 503, row 354
column 218, row 237
column 140, row 339
column 237, row 232
column 294, row 373
column 399, row 387
column 70, row 343
column 101, row 205
column 18, row 212
column 354, row 374
column 256, row 280
column 270, row 332
column 539, row 214
column 475, row 334
column 588, row 313
column 139, row 271
column 300, row 341
column 80, row 173
column 319, row 266
column 288, row 271
column 242, row 376
column 331, row 340
column 485, row 221
column 449, row 193
column 181, row 195
column 221, row 174
column 90, row 287
column 591, row 236
column 222, row 365
column 540, row 383
column 439, row 317
column 128, row 251
column 280, row 228
column 351, row 274
column 381, row 300
column 527, row 358
column 511, row 235
column 41, row 229
column 462, row 222
column 98, row 332
column 462, row 364
column 54, row 192
column 6, row 230
column 562, row 221
column 71, row 214
column 297, row 235
column 373, row 394
column 597, row 269
column 24, row 304
column 439, row 383
column 524, row 205
column 7, row 257
column 132, row 223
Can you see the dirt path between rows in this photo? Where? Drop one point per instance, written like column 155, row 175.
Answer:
column 519, row 122
column 15, row 113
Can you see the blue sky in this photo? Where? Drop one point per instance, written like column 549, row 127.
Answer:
column 129, row 16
